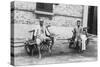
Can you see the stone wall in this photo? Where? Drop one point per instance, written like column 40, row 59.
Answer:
column 31, row 6
column 24, row 17
column 65, row 14
column 69, row 10
column 62, row 22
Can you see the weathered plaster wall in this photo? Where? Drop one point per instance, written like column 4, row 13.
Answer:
column 69, row 10
column 62, row 22
column 25, row 5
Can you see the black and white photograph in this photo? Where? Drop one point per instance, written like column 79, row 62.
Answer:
column 52, row 33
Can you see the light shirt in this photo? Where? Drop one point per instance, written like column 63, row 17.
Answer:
column 78, row 30
column 41, row 31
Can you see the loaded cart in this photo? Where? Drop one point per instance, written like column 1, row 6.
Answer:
column 32, row 48
column 77, row 44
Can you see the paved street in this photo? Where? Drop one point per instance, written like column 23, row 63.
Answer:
column 60, row 54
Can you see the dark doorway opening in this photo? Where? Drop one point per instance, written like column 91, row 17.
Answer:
column 92, row 20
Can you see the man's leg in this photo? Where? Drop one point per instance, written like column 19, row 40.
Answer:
column 47, row 39
column 83, row 42
column 52, row 42
column 38, row 41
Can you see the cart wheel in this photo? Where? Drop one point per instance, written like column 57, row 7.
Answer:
column 87, row 41
column 34, row 49
column 28, row 50
column 70, row 45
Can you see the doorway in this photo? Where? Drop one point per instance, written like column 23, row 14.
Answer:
column 92, row 20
